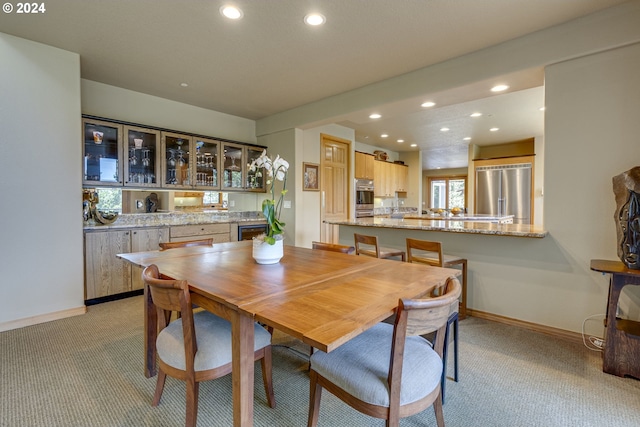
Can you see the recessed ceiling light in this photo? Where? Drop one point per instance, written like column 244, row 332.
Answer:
column 414, row 145
column 476, row 114
column 374, row 116
column 494, row 129
column 428, row 104
column 499, row 88
column 401, row 140
column 467, row 138
column 384, row 135
column 184, row 84
column 444, row 130
column 231, row 12
column 315, row 19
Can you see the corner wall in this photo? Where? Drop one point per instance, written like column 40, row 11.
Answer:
column 40, row 176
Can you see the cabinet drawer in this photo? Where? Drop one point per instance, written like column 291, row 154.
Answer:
column 198, row 230
column 217, row 238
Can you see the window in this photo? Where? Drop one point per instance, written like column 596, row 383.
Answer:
column 447, row 192
column 109, row 199
column 212, row 198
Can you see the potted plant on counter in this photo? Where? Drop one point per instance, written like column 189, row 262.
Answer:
column 268, row 248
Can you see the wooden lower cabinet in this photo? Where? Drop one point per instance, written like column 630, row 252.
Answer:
column 105, row 274
column 145, row 239
column 218, row 232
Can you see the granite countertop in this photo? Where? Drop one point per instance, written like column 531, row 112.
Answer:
column 449, row 225
column 161, row 219
column 504, row 219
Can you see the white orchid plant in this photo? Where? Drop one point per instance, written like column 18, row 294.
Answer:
column 276, row 170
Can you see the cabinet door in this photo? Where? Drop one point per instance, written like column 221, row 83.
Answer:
column 101, row 153
column 177, row 163
column 142, row 148
column 145, row 239
column 402, row 177
column 255, row 180
column 360, row 162
column 207, row 164
column 379, row 179
column 232, row 166
column 104, row 273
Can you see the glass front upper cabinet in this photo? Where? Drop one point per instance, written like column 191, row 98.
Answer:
column 255, row 179
column 207, row 163
column 177, row 160
column 142, row 148
column 102, row 153
column 232, row 171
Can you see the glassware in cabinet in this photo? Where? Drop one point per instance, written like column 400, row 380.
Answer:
column 142, row 148
column 102, row 153
column 232, row 172
column 256, row 179
column 177, row 160
column 207, row 163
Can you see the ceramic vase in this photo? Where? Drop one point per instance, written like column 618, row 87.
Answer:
column 265, row 253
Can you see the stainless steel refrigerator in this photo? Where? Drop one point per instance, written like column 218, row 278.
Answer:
column 504, row 190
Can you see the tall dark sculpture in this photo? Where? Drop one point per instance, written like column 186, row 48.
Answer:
column 626, row 188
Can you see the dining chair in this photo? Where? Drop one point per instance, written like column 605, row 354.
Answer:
column 368, row 245
column 333, row 247
column 388, row 371
column 429, row 252
column 171, row 245
column 197, row 346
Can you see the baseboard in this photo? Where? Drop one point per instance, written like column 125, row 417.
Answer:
column 547, row 330
column 34, row 320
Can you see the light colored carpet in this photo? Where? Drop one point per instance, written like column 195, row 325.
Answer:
column 87, row 371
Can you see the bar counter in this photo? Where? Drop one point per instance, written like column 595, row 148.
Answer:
column 450, row 225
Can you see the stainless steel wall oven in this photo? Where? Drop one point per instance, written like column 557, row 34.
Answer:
column 364, row 198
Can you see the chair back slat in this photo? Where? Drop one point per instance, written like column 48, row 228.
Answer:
column 429, row 252
column 362, row 239
column 428, row 315
column 332, row 247
column 166, row 294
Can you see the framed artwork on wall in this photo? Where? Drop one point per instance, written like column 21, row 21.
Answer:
column 310, row 177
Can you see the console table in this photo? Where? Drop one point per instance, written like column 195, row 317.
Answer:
column 621, row 354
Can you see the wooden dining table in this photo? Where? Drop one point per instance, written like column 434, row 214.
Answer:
column 319, row 297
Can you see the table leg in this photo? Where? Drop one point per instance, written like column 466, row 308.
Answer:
column 150, row 334
column 243, row 368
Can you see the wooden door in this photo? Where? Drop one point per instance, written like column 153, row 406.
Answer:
column 335, row 186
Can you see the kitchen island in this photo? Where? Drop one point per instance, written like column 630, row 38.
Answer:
column 470, row 225
column 506, row 263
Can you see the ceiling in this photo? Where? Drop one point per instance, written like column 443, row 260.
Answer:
column 270, row 61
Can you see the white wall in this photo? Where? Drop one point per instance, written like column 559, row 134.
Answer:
column 592, row 129
column 40, row 181
column 112, row 102
column 308, row 206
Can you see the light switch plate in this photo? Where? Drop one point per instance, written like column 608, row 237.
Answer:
column 287, row 204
